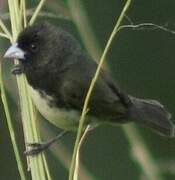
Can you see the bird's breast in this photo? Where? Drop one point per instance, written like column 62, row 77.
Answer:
column 60, row 117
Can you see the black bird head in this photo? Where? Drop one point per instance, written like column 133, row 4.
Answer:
column 39, row 44
column 44, row 51
column 31, row 43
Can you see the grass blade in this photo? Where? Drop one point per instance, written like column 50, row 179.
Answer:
column 11, row 128
column 85, row 107
column 35, row 14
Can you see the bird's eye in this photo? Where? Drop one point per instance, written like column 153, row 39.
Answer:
column 33, row 47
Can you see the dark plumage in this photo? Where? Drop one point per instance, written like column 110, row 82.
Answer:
column 57, row 68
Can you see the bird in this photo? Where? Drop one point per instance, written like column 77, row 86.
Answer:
column 59, row 72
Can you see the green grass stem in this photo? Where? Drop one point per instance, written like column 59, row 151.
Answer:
column 36, row 12
column 5, row 30
column 147, row 163
column 85, row 107
column 35, row 163
column 11, row 128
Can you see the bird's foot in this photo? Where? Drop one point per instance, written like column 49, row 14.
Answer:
column 36, row 148
column 17, row 69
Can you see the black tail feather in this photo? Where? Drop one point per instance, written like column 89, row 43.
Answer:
column 153, row 115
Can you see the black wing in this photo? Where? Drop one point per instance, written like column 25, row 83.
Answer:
column 106, row 101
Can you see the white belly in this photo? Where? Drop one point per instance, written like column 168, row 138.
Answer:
column 60, row 117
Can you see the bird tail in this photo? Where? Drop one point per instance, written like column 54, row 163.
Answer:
column 153, row 115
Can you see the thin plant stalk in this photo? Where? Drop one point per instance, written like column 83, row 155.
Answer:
column 4, row 35
column 85, row 107
column 46, row 168
column 8, row 35
column 60, row 152
column 5, row 30
column 37, row 10
column 23, row 12
column 11, row 128
column 77, row 162
column 35, row 163
column 146, row 162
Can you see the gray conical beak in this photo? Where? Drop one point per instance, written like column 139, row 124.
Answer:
column 14, row 52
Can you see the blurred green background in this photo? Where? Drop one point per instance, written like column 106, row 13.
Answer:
column 143, row 64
